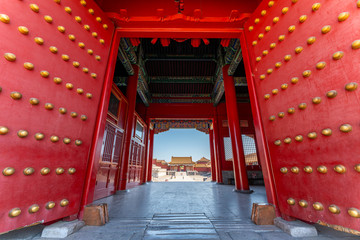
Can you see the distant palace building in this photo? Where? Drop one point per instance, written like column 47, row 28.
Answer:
column 181, row 164
column 203, row 165
column 160, row 163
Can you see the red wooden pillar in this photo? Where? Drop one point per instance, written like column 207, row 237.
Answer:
column 212, row 156
column 240, row 175
column 131, row 91
column 217, row 151
column 151, row 149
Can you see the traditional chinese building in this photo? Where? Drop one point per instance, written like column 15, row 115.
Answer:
column 181, row 164
column 86, row 84
column 160, row 163
column 203, row 165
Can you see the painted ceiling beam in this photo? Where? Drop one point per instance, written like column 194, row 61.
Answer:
column 219, row 93
column 181, row 100
column 180, row 95
column 143, row 88
column 232, row 50
column 235, row 62
column 128, row 57
column 186, row 79
column 120, row 81
column 122, row 57
column 218, row 90
column 129, row 50
column 182, row 58
column 240, row 81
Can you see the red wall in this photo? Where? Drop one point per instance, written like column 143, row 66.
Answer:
column 159, row 164
column 202, row 169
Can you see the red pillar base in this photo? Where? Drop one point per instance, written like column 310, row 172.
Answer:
column 243, row 191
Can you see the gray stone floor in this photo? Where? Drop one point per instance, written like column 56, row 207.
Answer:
column 183, row 210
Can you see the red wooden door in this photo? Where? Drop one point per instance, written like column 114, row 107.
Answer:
column 53, row 60
column 304, row 57
column 111, row 146
column 104, row 174
column 137, row 154
column 108, row 165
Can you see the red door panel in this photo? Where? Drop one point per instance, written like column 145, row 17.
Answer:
column 111, row 179
column 103, row 174
column 304, row 137
column 35, row 71
column 136, row 160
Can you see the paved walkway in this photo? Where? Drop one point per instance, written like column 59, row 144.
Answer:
column 183, row 210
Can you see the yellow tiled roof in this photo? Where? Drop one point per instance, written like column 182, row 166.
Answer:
column 203, row 159
column 181, row 160
column 202, row 165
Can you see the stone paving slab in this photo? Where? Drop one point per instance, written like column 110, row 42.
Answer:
column 245, row 235
column 296, row 228
column 180, row 226
column 62, row 229
column 228, row 214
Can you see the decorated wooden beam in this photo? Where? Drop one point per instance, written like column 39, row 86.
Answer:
column 203, row 58
column 128, row 48
column 232, row 50
column 127, row 57
column 176, row 95
column 122, row 57
column 218, row 90
column 181, row 98
column 219, row 94
column 240, row 81
column 165, row 125
column 173, row 79
column 178, row 24
column 120, row 81
column 235, row 62
column 143, row 88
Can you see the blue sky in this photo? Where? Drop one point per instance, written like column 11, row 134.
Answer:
column 181, row 143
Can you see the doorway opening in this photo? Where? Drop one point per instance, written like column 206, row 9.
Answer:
column 182, row 72
column 181, row 155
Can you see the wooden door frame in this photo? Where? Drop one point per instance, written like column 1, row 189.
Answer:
column 225, row 32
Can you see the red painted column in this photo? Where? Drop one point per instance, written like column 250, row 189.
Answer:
column 239, row 167
column 216, row 136
column 131, row 91
column 212, row 156
column 151, row 149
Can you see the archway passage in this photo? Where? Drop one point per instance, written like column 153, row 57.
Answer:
column 182, row 155
column 297, row 57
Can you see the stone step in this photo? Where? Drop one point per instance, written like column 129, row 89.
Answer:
column 180, row 226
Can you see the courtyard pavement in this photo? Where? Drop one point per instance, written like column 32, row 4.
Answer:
column 183, row 210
